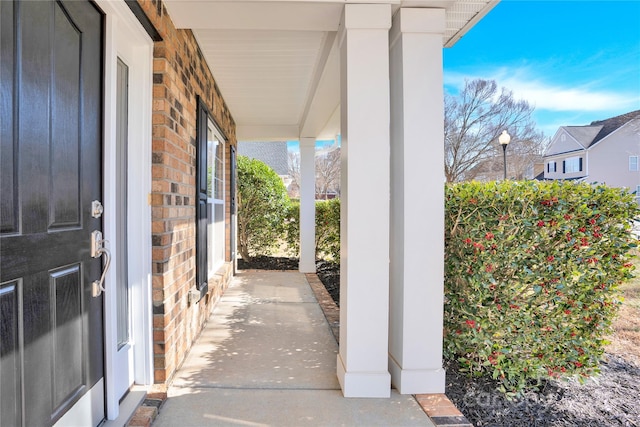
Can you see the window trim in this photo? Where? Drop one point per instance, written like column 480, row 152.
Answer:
column 636, row 164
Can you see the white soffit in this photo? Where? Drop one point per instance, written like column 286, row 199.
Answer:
column 271, row 59
column 462, row 15
column 263, row 75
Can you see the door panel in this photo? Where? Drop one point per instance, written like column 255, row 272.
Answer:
column 8, row 181
column 51, row 346
column 10, row 355
column 67, row 332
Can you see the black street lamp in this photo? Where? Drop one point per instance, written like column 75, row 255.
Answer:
column 504, row 140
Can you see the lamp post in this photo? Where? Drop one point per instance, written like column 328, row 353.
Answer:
column 504, row 140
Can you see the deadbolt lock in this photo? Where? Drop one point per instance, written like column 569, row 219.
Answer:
column 96, row 209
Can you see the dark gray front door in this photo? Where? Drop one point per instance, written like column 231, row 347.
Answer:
column 51, row 331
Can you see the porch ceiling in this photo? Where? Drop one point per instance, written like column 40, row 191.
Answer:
column 277, row 63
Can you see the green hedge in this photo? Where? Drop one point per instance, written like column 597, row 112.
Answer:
column 327, row 229
column 531, row 277
column 262, row 206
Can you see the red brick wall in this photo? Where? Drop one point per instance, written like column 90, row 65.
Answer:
column 180, row 75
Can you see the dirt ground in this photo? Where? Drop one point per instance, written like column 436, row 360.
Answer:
column 611, row 399
column 625, row 341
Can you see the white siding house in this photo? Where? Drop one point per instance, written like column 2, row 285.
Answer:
column 606, row 151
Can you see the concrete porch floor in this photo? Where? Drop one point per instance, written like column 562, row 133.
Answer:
column 267, row 357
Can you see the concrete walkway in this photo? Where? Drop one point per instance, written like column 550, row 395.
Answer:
column 267, row 358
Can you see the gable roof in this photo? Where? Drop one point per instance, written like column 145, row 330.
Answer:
column 583, row 134
column 589, row 135
column 612, row 124
column 274, row 154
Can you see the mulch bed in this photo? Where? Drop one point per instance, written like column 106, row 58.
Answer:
column 611, row 399
column 268, row 263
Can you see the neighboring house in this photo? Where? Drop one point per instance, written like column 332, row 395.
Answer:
column 606, row 151
column 112, row 115
column 273, row 154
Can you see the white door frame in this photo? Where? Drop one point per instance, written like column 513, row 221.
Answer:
column 125, row 38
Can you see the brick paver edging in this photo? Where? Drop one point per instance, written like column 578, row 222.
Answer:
column 148, row 411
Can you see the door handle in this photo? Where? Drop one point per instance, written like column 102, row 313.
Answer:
column 97, row 250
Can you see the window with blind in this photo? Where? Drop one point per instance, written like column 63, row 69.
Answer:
column 572, row 165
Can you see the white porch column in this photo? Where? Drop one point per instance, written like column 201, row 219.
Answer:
column 307, row 205
column 417, row 201
column 364, row 240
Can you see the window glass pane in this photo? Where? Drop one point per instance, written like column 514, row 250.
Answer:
column 219, row 169
column 215, row 199
column 218, row 255
column 211, row 144
column 572, row 165
column 633, row 163
column 122, row 282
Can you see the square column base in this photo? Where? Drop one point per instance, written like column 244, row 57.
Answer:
column 416, row 381
column 363, row 384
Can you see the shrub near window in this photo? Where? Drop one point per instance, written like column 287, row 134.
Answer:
column 531, row 277
column 262, row 207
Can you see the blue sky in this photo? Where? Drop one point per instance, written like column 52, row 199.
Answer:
column 575, row 61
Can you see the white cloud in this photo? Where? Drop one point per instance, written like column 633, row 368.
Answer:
column 552, row 96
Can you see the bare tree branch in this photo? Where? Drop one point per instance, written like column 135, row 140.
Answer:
column 327, row 172
column 473, row 121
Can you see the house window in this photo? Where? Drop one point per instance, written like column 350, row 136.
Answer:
column 551, row 167
column 215, row 198
column 633, row 163
column 210, row 220
column 572, row 165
